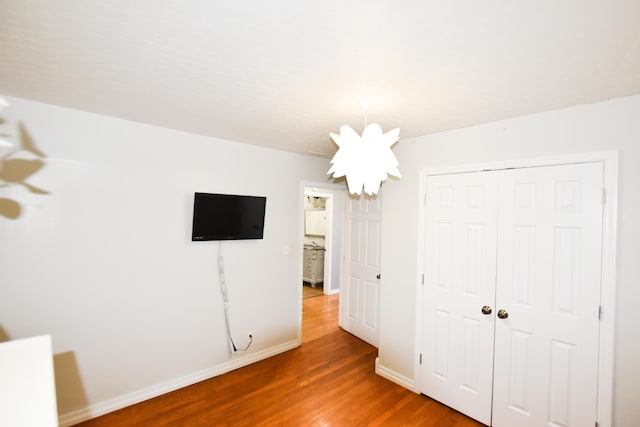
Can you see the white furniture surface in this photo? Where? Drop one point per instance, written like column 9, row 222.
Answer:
column 27, row 385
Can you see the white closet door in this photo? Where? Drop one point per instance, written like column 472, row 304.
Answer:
column 549, row 261
column 362, row 294
column 460, row 262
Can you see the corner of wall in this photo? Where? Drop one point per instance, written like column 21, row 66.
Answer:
column 394, row 376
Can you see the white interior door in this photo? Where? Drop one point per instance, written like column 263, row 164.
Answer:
column 360, row 302
column 549, row 274
column 460, row 260
column 546, row 266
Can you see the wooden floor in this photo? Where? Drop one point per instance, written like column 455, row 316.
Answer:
column 328, row 381
column 309, row 291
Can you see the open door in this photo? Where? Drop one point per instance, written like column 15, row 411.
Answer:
column 360, row 296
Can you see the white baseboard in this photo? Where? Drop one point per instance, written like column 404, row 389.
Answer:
column 119, row 402
column 394, row 376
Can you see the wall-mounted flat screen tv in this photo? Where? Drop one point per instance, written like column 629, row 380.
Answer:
column 227, row 217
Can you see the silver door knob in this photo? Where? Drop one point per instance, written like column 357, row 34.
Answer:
column 486, row 310
column 503, row 314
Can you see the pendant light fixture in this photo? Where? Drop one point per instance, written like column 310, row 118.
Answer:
column 366, row 161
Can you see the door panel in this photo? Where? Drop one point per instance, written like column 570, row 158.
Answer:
column 353, row 309
column 524, row 240
column 459, row 280
column 519, row 345
column 549, row 257
column 373, row 240
column 363, row 269
column 371, row 303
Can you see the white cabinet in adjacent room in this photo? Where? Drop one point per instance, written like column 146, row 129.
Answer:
column 315, row 223
column 313, row 266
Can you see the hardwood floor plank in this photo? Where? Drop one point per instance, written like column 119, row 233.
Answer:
column 328, row 381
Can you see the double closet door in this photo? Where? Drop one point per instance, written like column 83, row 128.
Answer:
column 512, row 294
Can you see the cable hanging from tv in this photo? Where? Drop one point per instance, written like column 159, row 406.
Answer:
column 225, row 300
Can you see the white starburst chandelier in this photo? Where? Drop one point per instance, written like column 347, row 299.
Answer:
column 366, row 161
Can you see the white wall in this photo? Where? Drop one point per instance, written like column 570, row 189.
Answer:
column 612, row 125
column 106, row 266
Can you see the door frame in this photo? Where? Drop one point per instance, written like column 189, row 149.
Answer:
column 609, row 160
column 334, row 215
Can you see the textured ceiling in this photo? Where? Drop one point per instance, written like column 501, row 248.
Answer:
column 285, row 73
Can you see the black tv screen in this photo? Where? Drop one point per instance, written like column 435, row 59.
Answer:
column 227, row 217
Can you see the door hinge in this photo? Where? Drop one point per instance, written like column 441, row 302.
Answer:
column 425, row 199
column 604, row 195
column 423, row 278
column 421, row 358
column 597, row 424
column 600, row 312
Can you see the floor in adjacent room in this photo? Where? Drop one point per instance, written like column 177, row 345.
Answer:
column 309, row 291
